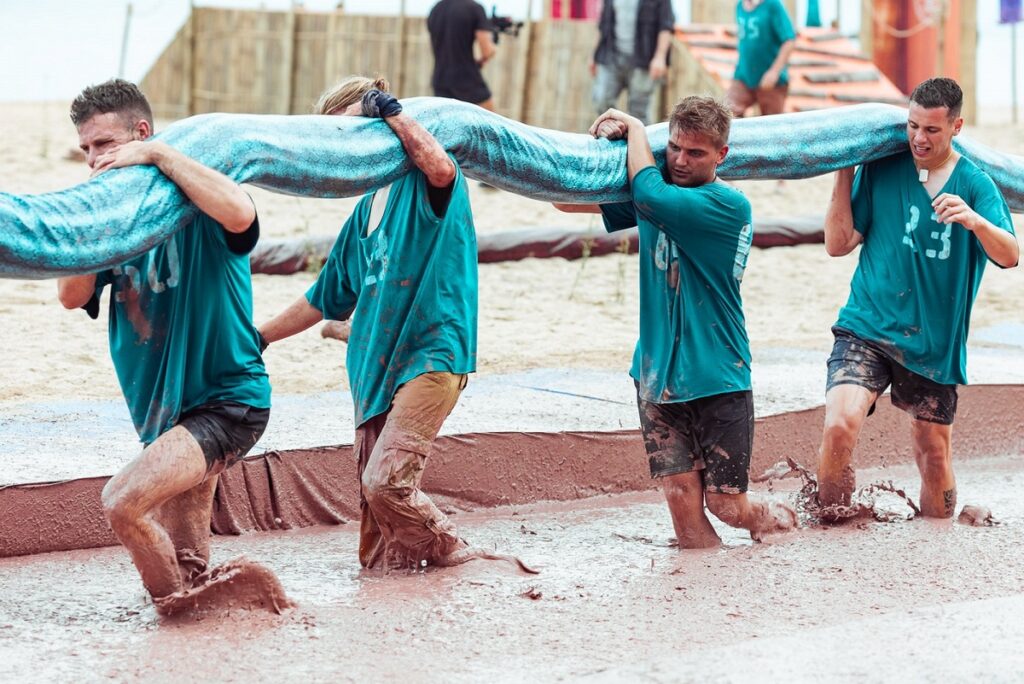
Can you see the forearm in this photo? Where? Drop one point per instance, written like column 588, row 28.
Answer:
column 212, row 192
column 424, row 150
column 664, row 43
column 840, row 235
column 638, row 149
column 577, row 208
column 1000, row 246
column 485, row 43
column 299, row 316
column 782, row 59
column 74, row 292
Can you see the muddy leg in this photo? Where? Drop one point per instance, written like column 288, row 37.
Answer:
column 684, row 494
column 760, row 517
column 186, row 517
column 405, row 514
column 934, row 455
column 173, row 464
column 846, row 406
column 371, row 541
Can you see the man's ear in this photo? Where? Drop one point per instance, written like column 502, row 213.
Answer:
column 142, row 129
column 957, row 125
column 722, row 152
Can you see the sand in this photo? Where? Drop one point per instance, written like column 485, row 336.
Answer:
column 533, row 313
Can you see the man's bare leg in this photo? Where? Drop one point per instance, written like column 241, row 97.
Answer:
column 186, row 517
column 933, row 452
column 173, row 464
column 487, row 104
column 684, row 494
column 846, row 406
column 760, row 517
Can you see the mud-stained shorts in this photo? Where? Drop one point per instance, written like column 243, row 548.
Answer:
column 858, row 362
column 226, row 431
column 714, row 434
column 769, row 100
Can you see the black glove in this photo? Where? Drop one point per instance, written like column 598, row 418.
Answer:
column 380, row 105
column 263, row 342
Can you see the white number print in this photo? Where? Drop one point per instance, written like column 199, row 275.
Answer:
column 743, row 252
column 747, row 28
column 943, row 236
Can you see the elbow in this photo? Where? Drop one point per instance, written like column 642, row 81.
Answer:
column 72, row 296
column 835, row 250
column 444, row 175
column 241, row 216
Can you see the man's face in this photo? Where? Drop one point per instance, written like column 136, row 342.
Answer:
column 692, row 158
column 930, row 133
column 104, row 132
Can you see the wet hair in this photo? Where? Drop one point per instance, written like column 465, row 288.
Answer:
column 338, row 98
column 939, row 92
column 704, row 115
column 115, row 95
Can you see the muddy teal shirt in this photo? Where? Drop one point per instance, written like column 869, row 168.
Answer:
column 410, row 287
column 694, row 244
column 917, row 278
column 761, row 32
column 180, row 325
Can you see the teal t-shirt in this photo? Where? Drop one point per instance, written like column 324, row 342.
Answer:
column 181, row 331
column 761, row 32
column 694, row 244
column 410, row 287
column 917, row 278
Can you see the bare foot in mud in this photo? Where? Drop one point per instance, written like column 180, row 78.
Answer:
column 336, row 330
column 238, row 583
column 773, row 517
column 976, row 516
column 468, row 553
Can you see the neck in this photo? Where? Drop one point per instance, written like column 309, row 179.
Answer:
column 935, row 167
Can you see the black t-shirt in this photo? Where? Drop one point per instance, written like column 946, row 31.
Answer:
column 453, row 25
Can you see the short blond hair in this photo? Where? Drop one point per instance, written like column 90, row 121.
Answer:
column 341, row 96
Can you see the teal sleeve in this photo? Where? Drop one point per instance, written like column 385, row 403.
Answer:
column 670, row 207
column 618, row 216
column 781, row 24
column 860, row 199
column 334, row 293
column 988, row 202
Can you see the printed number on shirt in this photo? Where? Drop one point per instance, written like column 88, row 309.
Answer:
column 377, row 258
column 943, row 236
column 747, row 28
column 156, row 286
column 665, row 252
column 743, row 252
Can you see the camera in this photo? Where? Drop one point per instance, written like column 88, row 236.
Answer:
column 506, row 25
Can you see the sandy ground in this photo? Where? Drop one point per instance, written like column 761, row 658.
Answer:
column 533, row 313
column 904, row 601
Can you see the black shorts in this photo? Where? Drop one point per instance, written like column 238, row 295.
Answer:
column 226, row 431
column 472, row 92
column 858, row 362
column 714, row 434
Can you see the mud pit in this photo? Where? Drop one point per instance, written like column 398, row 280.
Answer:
column 614, row 602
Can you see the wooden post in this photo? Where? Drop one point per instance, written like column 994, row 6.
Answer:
column 969, row 58
column 523, row 65
column 288, row 63
column 190, row 61
column 867, row 29
column 713, row 12
column 399, row 84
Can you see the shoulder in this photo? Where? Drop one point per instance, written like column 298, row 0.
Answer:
column 975, row 175
column 728, row 195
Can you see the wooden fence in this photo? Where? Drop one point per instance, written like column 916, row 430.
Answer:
column 278, row 63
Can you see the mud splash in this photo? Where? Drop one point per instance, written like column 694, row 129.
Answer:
column 237, row 584
column 976, row 516
column 866, row 502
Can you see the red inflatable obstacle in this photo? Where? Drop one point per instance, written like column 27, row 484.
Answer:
column 284, row 257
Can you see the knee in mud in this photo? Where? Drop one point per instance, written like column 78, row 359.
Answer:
column 841, row 428
column 724, row 507
column 114, row 507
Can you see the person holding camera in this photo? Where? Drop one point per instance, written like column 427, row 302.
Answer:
column 455, row 25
